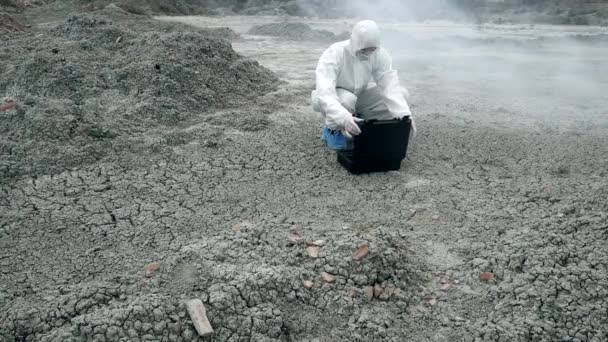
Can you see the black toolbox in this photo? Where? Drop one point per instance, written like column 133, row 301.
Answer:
column 380, row 147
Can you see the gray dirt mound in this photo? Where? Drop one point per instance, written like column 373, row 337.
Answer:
column 9, row 24
column 257, row 291
column 94, row 78
column 264, row 274
column 147, row 24
column 295, row 31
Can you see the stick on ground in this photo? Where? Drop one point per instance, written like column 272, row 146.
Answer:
column 198, row 314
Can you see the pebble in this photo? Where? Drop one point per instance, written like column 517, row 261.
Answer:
column 378, row 291
column 486, row 276
column 361, row 252
column 369, row 292
column 150, row 269
column 329, row 278
column 313, row 251
column 295, row 239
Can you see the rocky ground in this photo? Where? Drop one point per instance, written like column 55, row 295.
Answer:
column 127, row 189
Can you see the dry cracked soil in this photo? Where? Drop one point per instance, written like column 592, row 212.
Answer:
column 128, row 189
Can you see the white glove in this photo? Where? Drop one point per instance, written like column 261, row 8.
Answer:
column 350, row 126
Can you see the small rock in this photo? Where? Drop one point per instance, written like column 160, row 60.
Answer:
column 118, row 40
column 433, row 302
column 313, row 251
column 329, row 278
column 295, row 239
column 198, row 315
column 352, row 292
column 486, row 276
column 150, row 269
column 361, row 252
column 369, row 292
column 445, row 287
column 7, row 106
column 378, row 291
column 318, row 243
column 308, row 284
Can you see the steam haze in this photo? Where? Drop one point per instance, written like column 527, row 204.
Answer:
column 525, row 72
column 405, row 10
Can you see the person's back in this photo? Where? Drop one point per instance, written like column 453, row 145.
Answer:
column 344, row 85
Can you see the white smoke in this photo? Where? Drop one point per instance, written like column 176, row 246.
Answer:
column 543, row 71
column 402, row 10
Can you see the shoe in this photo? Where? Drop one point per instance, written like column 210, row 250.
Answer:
column 335, row 140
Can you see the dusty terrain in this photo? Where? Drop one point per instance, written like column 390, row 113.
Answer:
column 494, row 230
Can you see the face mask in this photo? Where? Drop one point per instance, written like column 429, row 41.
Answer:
column 364, row 55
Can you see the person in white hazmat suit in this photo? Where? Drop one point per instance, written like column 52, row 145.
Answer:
column 356, row 76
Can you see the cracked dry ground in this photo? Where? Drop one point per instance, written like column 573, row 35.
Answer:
column 227, row 212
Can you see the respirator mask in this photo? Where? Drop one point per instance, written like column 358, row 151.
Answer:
column 365, row 54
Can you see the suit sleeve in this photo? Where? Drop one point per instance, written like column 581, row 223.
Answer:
column 325, row 94
column 388, row 82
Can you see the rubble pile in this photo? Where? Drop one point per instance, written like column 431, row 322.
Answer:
column 254, row 284
column 92, row 78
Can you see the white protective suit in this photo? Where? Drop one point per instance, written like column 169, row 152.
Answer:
column 343, row 81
